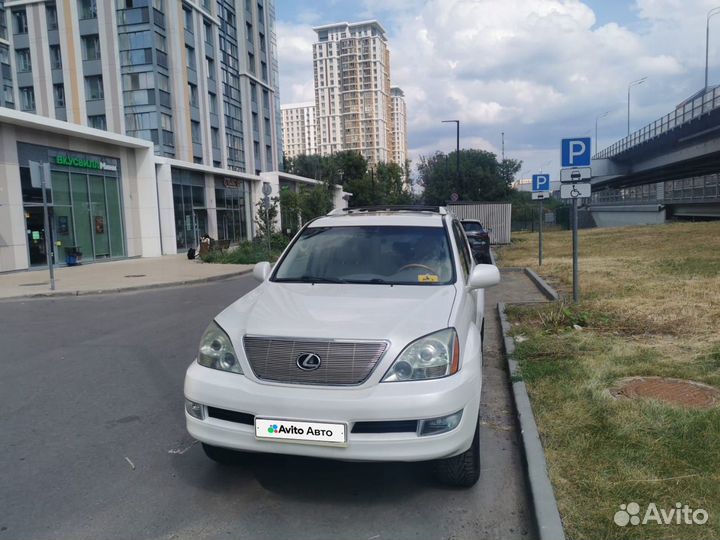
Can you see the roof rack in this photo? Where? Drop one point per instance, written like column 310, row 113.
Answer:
column 397, row 208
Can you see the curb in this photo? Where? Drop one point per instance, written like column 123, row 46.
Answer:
column 546, row 289
column 542, row 497
column 129, row 289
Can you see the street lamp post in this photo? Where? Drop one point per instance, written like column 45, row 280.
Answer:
column 633, row 83
column 713, row 11
column 603, row 115
column 457, row 151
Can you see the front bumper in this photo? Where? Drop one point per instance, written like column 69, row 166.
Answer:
column 413, row 400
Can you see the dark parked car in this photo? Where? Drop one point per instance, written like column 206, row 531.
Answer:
column 479, row 240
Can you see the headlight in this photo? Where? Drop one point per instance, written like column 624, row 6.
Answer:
column 430, row 357
column 216, row 350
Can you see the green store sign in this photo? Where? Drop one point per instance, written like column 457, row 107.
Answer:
column 80, row 163
column 72, row 161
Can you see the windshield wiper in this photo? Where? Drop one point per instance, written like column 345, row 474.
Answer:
column 379, row 281
column 311, row 279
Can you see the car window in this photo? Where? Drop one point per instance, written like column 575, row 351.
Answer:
column 461, row 242
column 397, row 255
column 471, row 226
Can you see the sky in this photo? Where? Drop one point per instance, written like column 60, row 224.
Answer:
column 537, row 70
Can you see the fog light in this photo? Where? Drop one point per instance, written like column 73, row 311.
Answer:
column 194, row 409
column 434, row 426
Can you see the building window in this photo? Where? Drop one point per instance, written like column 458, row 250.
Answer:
column 195, row 131
column 140, row 121
column 188, row 20
column 264, row 70
column 55, row 57
column 9, row 97
column 208, row 33
column 251, row 62
column 23, row 60
column 210, row 68
column 138, row 81
column 27, row 98
column 213, row 103
column 20, row 25
column 166, row 122
column 163, row 82
column 97, row 121
column 87, row 9
column 190, row 53
column 91, row 47
column 94, row 87
column 215, row 135
column 193, row 95
column 51, row 16
column 160, row 42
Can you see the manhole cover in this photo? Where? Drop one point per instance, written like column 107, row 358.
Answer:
column 673, row 391
column 136, row 275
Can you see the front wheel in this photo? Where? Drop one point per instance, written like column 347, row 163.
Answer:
column 221, row 455
column 462, row 470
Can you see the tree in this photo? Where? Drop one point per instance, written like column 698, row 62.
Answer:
column 336, row 168
column 482, row 177
column 265, row 219
column 383, row 184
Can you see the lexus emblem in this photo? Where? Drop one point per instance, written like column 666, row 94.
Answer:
column 308, row 361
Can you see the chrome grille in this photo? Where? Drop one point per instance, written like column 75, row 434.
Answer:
column 342, row 362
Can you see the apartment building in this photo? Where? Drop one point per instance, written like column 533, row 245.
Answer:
column 198, row 79
column 299, row 129
column 398, row 135
column 172, row 72
column 351, row 69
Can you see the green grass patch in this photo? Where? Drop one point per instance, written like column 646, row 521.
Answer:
column 604, row 452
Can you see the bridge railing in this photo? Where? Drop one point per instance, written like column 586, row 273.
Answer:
column 691, row 110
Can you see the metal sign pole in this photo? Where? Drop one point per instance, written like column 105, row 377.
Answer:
column 267, row 222
column 576, row 277
column 541, row 234
column 49, row 250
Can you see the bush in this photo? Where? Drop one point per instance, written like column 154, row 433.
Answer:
column 249, row 252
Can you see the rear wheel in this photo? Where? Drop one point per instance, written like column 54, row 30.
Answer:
column 462, row 470
column 221, row 455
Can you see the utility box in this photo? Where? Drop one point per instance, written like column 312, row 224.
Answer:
column 495, row 217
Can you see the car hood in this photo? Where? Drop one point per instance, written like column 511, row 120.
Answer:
column 339, row 311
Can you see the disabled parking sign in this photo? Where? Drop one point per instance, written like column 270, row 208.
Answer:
column 576, row 152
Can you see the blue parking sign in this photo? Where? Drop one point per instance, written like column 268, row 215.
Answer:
column 541, row 182
column 576, row 152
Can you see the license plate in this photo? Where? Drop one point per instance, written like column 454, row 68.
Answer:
column 272, row 429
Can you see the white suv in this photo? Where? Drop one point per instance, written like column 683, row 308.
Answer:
column 364, row 342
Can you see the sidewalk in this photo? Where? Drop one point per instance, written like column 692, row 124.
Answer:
column 115, row 276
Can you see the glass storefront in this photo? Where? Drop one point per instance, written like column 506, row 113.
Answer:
column 232, row 198
column 84, row 205
column 190, row 207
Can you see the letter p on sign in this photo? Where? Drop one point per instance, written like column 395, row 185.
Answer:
column 576, row 152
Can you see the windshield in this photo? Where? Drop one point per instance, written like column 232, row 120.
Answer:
column 369, row 254
column 472, row 227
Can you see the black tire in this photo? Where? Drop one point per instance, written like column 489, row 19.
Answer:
column 462, row 470
column 225, row 456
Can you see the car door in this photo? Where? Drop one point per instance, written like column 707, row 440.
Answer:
column 475, row 298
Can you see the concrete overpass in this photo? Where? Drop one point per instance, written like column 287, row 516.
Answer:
column 669, row 168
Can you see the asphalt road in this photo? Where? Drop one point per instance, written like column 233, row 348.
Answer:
column 93, row 443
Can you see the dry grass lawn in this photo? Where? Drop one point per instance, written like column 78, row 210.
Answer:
column 650, row 305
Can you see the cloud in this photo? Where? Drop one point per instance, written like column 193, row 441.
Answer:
column 536, row 69
column 295, row 58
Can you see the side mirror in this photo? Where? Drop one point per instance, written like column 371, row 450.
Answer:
column 483, row 276
column 261, row 271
